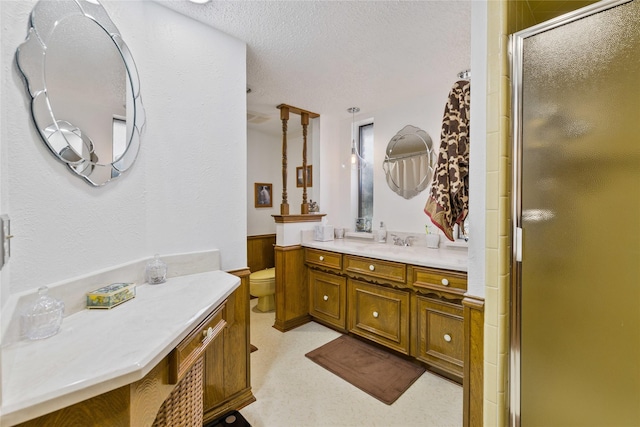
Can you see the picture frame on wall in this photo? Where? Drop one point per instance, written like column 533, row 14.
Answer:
column 299, row 176
column 263, row 194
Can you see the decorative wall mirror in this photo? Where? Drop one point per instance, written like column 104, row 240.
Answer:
column 409, row 161
column 84, row 88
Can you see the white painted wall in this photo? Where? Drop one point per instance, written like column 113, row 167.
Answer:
column 264, row 164
column 186, row 191
column 399, row 214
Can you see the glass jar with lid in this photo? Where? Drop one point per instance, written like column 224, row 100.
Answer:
column 43, row 318
column 156, row 271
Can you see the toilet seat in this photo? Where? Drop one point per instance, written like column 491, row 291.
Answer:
column 263, row 276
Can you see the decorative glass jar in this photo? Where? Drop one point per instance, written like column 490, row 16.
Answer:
column 156, row 271
column 44, row 317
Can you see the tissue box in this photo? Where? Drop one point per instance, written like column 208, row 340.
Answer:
column 111, row 295
column 323, row 233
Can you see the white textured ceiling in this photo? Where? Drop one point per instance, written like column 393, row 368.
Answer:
column 326, row 56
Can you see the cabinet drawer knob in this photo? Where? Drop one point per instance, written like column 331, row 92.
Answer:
column 445, row 282
column 206, row 333
column 447, row 337
column 375, row 314
column 372, row 267
column 321, row 258
column 326, row 297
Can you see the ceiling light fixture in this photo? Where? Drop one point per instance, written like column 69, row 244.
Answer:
column 355, row 160
column 200, row 1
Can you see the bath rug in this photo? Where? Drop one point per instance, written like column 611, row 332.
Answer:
column 377, row 372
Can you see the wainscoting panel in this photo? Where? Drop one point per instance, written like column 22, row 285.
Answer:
column 260, row 253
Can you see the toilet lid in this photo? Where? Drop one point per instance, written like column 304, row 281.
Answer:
column 262, row 275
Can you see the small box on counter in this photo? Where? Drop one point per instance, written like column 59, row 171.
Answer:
column 111, row 295
column 323, row 233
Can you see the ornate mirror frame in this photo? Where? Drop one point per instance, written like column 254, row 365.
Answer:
column 409, row 161
column 84, row 88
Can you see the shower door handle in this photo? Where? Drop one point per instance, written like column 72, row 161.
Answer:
column 518, row 244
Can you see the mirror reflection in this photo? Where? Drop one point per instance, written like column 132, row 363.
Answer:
column 409, row 161
column 84, row 88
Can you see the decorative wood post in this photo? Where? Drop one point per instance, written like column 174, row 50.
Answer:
column 284, row 116
column 304, row 120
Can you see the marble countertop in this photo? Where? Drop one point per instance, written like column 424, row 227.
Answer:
column 448, row 258
column 100, row 350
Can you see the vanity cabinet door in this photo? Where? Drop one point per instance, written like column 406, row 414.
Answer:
column 439, row 335
column 380, row 314
column 226, row 376
column 327, row 298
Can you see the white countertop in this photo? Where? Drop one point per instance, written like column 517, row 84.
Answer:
column 100, row 350
column 448, row 258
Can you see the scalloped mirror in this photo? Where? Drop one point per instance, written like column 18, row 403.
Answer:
column 409, row 161
column 84, row 88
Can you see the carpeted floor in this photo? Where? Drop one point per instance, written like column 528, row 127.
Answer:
column 291, row 390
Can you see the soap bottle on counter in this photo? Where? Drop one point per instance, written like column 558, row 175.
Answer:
column 382, row 233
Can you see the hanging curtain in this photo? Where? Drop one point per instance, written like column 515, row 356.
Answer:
column 448, row 202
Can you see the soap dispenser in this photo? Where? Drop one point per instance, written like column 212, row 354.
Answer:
column 382, row 233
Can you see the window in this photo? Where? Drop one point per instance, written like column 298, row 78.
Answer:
column 365, row 175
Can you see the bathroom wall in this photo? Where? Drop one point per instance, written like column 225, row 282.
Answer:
column 186, row 191
column 399, row 214
column 264, row 164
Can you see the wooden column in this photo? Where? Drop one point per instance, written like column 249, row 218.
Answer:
column 304, row 120
column 292, row 290
column 292, row 285
column 284, row 116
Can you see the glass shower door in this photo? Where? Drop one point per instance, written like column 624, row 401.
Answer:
column 577, row 197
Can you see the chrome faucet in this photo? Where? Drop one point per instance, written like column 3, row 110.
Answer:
column 399, row 241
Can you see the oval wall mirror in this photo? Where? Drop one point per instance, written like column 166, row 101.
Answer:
column 84, row 88
column 409, row 161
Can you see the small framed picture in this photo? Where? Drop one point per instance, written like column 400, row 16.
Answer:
column 299, row 176
column 263, row 195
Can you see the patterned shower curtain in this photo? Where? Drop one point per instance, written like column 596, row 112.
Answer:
column 448, row 202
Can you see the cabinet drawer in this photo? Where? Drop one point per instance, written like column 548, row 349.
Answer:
column 193, row 346
column 379, row 314
column 440, row 335
column 430, row 278
column 327, row 298
column 323, row 258
column 394, row 271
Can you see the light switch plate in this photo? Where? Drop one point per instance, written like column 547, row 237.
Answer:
column 5, row 238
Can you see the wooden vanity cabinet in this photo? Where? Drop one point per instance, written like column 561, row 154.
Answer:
column 328, row 299
column 439, row 321
column 439, row 334
column 413, row 310
column 226, row 371
column 380, row 314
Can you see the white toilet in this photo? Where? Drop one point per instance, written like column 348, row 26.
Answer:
column 262, row 284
